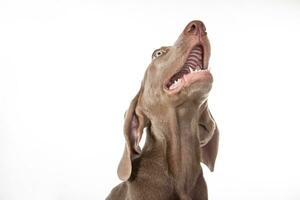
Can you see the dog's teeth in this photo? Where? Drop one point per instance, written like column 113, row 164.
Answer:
column 177, row 81
column 175, row 84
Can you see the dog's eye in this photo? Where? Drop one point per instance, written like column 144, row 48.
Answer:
column 157, row 53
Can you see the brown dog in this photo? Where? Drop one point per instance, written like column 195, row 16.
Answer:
column 181, row 133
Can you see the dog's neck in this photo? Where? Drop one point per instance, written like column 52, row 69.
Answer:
column 179, row 132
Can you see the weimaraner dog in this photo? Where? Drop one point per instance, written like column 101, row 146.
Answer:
column 181, row 132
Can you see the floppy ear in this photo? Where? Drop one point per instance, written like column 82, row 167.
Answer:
column 209, row 138
column 133, row 129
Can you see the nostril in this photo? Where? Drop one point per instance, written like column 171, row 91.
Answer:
column 192, row 28
column 195, row 28
column 203, row 30
column 203, row 27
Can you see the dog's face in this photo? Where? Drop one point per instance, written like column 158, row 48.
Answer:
column 180, row 72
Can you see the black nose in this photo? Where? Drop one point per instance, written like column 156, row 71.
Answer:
column 195, row 28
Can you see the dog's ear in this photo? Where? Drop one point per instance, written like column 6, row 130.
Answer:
column 209, row 138
column 133, row 129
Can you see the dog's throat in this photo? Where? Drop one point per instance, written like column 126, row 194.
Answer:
column 182, row 148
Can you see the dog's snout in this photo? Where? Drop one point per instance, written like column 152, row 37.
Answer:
column 195, row 28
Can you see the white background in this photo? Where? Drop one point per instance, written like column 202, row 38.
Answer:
column 68, row 70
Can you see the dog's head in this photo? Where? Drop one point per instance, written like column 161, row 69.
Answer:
column 176, row 75
column 180, row 72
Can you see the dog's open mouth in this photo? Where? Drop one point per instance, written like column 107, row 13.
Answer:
column 191, row 71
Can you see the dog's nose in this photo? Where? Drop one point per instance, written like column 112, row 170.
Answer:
column 195, row 28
